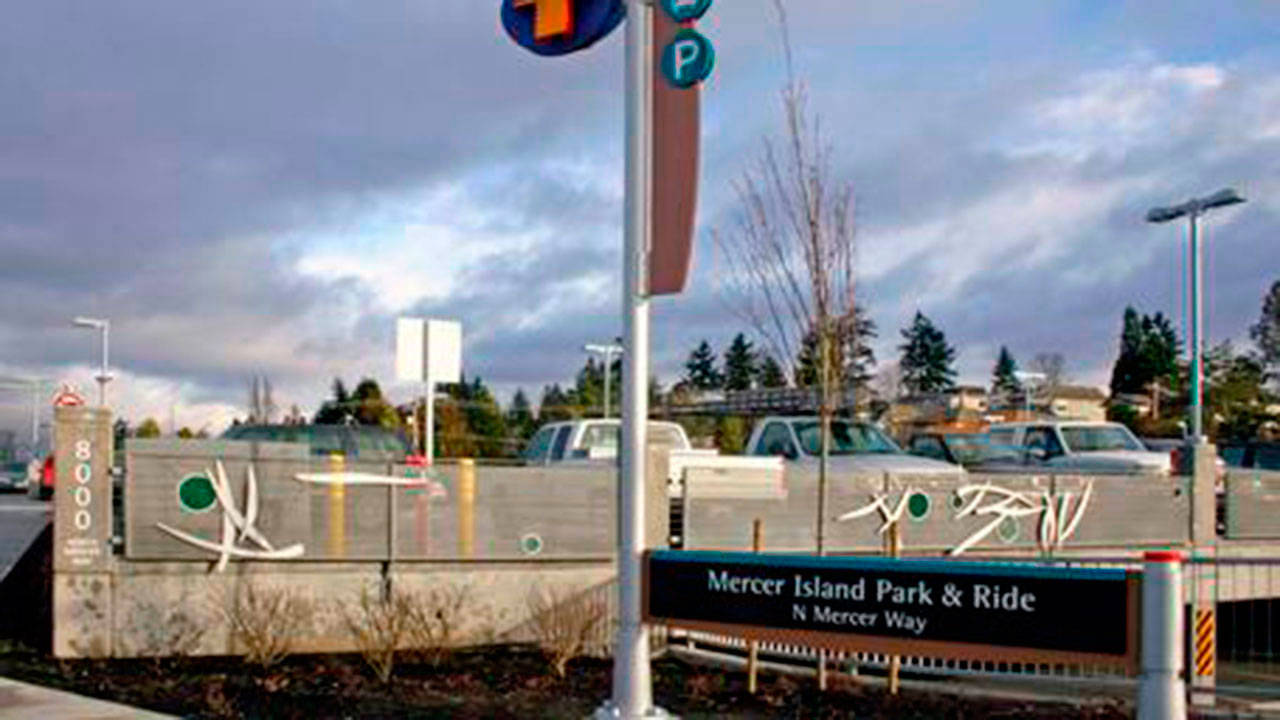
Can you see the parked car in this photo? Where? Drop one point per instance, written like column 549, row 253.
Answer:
column 355, row 442
column 593, row 441
column 973, row 451
column 41, row 487
column 856, row 447
column 1254, row 454
column 1085, row 447
column 14, row 477
column 1179, row 459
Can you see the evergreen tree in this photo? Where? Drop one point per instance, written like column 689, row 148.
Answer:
column 520, row 421
column 369, row 407
column 771, row 375
column 1266, row 333
column 484, row 420
column 700, row 369
column 1235, row 401
column 589, row 389
column 335, row 410
column 740, row 364
column 1003, row 380
column 853, row 360
column 926, row 363
column 555, row 405
column 1149, row 351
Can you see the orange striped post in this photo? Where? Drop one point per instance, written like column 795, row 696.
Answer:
column 1206, row 644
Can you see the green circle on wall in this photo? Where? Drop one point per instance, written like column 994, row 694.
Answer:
column 1008, row 530
column 918, row 506
column 531, row 544
column 195, row 493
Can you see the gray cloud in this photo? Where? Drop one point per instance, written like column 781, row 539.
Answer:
column 173, row 166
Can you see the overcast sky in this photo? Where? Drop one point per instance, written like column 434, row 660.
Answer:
column 261, row 188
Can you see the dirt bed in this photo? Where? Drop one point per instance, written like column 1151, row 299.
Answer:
column 499, row 682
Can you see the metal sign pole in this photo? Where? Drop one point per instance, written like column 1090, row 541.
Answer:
column 632, row 682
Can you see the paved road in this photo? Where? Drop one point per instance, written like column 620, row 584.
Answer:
column 20, row 701
column 21, row 520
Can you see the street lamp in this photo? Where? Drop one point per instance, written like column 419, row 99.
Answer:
column 104, row 377
column 1025, row 379
column 1192, row 210
column 608, row 351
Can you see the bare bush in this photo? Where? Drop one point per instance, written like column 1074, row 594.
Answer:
column 265, row 621
column 380, row 625
column 435, row 621
column 563, row 622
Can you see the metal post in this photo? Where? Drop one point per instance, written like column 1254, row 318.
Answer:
column 104, row 377
column 1161, row 689
column 608, row 370
column 1197, row 358
column 428, row 427
column 35, row 417
column 632, row 682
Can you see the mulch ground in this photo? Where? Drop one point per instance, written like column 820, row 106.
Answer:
column 498, row 682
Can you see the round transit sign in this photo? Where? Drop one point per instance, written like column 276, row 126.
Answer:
column 686, row 10
column 689, row 59
column 560, row 27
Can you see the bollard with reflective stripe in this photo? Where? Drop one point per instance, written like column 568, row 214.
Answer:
column 1161, row 688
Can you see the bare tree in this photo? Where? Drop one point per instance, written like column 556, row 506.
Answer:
column 1053, row 366
column 791, row 251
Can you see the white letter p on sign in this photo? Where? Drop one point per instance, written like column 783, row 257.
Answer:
column 687, row 51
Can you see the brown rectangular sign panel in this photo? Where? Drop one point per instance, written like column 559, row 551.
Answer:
column 674, row 175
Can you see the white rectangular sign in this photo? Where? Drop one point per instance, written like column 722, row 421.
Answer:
column 428, row 350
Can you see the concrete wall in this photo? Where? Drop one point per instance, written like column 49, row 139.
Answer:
column 1253, row 504
column 490, row 513
column 181, row 608
column 490, row 536
column 936, row 515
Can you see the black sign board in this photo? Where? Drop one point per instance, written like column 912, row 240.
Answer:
column 977, row 610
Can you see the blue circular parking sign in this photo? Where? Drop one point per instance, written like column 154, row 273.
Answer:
column 560, row 27
column 686, row 10
column 689, row 59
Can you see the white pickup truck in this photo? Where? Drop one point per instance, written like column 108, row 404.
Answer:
column 856, row 447
column 594, row 441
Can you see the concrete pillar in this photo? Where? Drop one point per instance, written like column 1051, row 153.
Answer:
column 1203, row 575
column 82, row 528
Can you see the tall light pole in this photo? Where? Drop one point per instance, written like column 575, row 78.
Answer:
column 1026, row 379
column 104, row 327
column 608, row 351
column 1192, row 210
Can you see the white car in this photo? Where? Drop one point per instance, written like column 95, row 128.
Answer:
column 1085, row 447
column 856, row 448
column 593, row 441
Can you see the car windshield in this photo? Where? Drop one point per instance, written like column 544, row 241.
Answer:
column 1095, row 438
column 846, row 438
column 970, row 448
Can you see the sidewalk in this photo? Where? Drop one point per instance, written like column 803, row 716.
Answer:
column 20, row 701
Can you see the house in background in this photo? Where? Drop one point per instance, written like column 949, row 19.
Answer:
column 1078, row 402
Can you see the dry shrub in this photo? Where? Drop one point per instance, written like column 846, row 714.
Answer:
column 563, row 622
column 435, row 618
column 266, row 621
column 380, row 625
